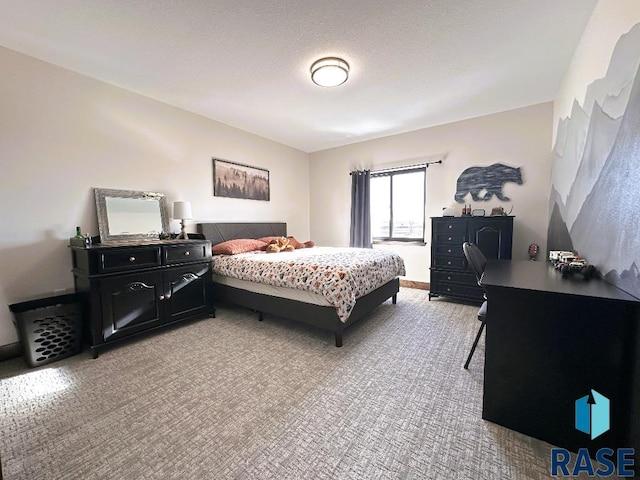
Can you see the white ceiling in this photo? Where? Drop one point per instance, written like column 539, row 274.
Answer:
column 414, row 64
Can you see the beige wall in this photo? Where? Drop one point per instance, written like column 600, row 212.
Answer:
column 62, row 133
column 520, row 138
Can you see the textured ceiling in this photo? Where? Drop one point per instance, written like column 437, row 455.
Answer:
column 414, row 64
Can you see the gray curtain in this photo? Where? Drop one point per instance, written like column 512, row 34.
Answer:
column 360, row 209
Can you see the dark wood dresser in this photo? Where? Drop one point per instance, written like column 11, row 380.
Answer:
column 451, row 275
column 131, row 288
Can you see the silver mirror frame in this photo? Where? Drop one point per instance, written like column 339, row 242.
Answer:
column 101, row 194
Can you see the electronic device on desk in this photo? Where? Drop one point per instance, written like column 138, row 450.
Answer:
column 478, row 212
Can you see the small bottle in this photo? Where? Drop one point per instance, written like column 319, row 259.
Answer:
column 87, row 240
column 78, row 233
column 464, row 209
column 469, row 210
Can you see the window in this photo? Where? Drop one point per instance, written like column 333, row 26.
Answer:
column 397, row 204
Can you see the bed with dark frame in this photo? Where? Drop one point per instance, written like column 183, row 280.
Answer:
column 324, row 317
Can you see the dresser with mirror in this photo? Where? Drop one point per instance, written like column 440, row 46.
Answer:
column 134, row 280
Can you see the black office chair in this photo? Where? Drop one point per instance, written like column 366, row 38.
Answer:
column 477, row 260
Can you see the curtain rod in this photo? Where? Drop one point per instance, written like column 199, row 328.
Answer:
column 405, row 167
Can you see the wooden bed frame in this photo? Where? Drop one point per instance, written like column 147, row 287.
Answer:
column 316, row 315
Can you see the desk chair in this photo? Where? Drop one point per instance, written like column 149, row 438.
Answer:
column 477, row 261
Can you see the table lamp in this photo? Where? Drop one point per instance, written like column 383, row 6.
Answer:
column 182, row 212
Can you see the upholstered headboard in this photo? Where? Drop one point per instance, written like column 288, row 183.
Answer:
column 221, row 232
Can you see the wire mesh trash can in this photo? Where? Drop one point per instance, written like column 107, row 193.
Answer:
column 49, row 328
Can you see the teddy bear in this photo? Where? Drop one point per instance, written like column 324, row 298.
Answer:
column 296, row 244
column 280, row 245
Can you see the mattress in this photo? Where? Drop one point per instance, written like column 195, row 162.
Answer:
column 273, row 290
column 339, row 275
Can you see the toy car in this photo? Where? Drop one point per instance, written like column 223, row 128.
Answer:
column 558, row 256
column 578, row 265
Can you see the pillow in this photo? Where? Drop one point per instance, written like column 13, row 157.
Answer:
column 239, row 245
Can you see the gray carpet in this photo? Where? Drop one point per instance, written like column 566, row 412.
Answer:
column 235, row 398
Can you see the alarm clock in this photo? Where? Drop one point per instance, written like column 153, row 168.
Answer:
column 478, row 212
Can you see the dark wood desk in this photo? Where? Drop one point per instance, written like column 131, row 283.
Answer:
column 549, row 341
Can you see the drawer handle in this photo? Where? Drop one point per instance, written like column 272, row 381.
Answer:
column 132, row 259
column 186, row 253
column 448, row 263
column 188, row 277
column 449, row 278
column 450, row 226
column 449, row 250
column 135, row 286
column 449, row 238
column 448, row 289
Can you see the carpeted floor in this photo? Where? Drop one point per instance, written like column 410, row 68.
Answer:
column 234, row 398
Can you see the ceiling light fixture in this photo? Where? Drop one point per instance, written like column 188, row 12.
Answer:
column 329, row 72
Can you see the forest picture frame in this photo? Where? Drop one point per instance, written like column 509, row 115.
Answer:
column 237, row 180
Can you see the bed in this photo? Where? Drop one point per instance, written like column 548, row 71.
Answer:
column 309, row 307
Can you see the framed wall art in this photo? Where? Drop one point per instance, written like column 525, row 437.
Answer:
column 236, row 180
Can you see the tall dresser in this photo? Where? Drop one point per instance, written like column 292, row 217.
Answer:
column 451, row 275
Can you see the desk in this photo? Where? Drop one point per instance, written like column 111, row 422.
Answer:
column 549, row 341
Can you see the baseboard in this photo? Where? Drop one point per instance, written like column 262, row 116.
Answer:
column 11, row 350
column 413, row 284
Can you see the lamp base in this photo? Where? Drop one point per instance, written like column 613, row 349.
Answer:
column 183, row 231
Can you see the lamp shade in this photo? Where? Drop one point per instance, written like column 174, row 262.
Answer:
column 182, row 210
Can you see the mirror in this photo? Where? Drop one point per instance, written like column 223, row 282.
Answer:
column 130, row 215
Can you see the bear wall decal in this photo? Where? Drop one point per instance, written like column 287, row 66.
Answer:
column 475, row 179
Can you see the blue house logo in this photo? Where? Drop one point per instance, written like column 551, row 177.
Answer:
column 592, row 414
column 592, row 418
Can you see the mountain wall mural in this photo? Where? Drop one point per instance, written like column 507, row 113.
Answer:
column 596, row 172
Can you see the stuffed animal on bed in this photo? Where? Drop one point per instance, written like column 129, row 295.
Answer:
column 279, row 245
column 296, row 244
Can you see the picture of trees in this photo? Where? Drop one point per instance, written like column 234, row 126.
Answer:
column 239, row 181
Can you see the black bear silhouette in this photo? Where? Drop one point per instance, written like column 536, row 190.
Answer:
column 475, row 179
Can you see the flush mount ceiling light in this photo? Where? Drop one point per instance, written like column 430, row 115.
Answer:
column 329, row 72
